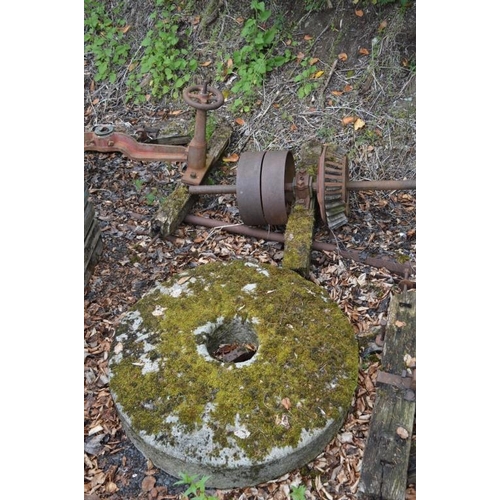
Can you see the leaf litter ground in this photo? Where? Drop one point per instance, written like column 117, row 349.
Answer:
column 126, row 196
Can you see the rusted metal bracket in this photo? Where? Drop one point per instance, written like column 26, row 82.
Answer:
column 406, row 382
column 104, row 139
column 302, row 188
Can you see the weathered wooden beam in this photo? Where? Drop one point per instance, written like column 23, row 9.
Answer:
column 93, row 245
column 385, row 460
column 179, row 202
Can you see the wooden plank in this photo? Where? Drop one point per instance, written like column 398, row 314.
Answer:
column 179, row 203
column 93, row 245
column 385, row 460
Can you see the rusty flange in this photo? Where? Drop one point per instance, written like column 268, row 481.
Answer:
column 248, row 188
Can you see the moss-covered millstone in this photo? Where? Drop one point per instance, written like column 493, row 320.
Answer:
column 241, row 423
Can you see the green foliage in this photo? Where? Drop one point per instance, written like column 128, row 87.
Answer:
column 152, row 196
column 312, row 5
column 256, row 58
column 104, row 38
column 196, row 487
column 138, row 184
column 298, row 492
column 166, row 63
column 306, row 78
column 403, row 3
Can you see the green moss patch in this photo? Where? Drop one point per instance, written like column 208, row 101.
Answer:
column 302, row 376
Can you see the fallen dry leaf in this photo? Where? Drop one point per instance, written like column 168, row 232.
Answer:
column 359, row 12
column 148, row 483
column 232, row 158
column 410, row 361
column 402, row 433
column 206, row 63
column 382, row 25
column 286, row 403
column 308, row 37
column 240, row 121
column 348, row 119
column 313, row 60
column 336, row 92
column 318, row 74
column 342, row 56
column 399, row 324
column 363, row 51
column 359, row 123
column 96, row 429
column 348, row 88
column 111, row 487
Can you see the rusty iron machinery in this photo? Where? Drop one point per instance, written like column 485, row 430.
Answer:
column 267, row 186
column 203, row 98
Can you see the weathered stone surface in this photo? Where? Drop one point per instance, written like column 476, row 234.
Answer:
column 239, row 423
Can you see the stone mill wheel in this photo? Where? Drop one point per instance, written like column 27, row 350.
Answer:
column 245, row 421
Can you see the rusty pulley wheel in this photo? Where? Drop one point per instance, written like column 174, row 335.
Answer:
column 203, row 97
column 248, row 188
column 261, row 187
column 278, row 169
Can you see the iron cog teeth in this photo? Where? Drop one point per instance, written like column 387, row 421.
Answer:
column 332, row 195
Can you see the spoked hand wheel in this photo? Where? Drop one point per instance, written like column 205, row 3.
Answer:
column 203, row 97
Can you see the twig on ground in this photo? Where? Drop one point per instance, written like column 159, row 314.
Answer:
column 321, row 97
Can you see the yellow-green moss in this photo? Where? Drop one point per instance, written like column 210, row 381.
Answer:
column 305, row 344
column 176, row 200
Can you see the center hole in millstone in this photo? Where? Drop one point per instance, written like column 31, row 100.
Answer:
column 234, row 341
